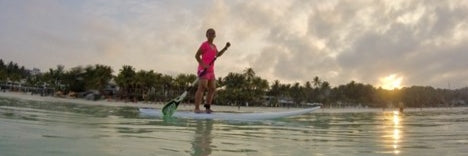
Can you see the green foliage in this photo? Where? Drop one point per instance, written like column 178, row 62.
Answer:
column 12, row 72
column 96, row 77
column 233, row 89
column 75, row 79
column 242, row 88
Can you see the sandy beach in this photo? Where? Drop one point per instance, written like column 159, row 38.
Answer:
column 182, row 106
column 189, row 107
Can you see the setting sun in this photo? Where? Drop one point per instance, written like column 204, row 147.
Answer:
column 391, row 82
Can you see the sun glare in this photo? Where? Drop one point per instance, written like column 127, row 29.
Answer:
column 390, row 82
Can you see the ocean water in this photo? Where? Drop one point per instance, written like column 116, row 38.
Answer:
column 54, row 128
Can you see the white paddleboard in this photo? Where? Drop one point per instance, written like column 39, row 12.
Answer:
column 149, row 112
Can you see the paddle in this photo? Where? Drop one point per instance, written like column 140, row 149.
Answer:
column 172, row 105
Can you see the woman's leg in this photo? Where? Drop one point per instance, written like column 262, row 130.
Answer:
column 202, row 85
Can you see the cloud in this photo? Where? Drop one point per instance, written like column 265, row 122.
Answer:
column 363, row 41
column 338, row 41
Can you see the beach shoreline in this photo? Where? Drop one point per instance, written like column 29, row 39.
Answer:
column 190, row 107
column 115, row 103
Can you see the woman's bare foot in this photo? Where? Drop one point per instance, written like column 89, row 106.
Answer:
column 197, row 111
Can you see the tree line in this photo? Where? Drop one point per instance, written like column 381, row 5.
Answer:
column 234, row 89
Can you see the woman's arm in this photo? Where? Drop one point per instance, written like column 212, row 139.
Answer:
column 199, row 60
column 224, row 49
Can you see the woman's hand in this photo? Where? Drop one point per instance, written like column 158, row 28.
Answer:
column 204, row 65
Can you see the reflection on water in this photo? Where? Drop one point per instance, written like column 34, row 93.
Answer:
column 201, row 145
column 396, row 131
column 41, row 128
column 393, row 131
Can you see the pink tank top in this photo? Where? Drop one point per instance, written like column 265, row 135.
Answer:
column 209, row 52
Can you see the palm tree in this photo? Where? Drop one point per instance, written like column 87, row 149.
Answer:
column 2, row 64
column 351, row 91
column 140, row 84
column 181, row 82
column 285, row 90
column 235, row 91
column 220, row 82
column 324, row 91
column 149, row 82
column 103, row 76
column 167, row 86
column 146, row 83
column 260, row 87
column 317, row 82
column 74, row 79
column 297, row 93
column 3, row 75
column 249, row 74
column 54, row 77
column 158, row 86
column 125, row 79
column 308, row 92
column 97, row 77
column 274, row 93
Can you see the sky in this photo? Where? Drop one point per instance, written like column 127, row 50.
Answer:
column 380, row 42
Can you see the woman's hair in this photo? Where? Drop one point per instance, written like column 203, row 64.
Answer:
column 210, row 29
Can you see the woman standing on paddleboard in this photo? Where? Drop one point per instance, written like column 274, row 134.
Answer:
column 205, row 56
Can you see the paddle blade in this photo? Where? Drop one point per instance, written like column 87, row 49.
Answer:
column 170, row 108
